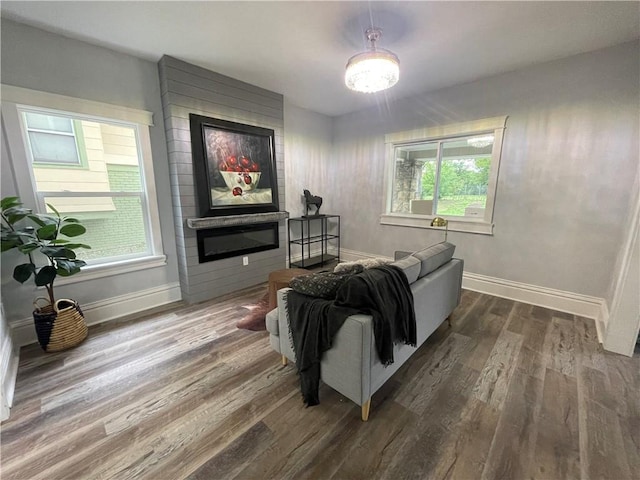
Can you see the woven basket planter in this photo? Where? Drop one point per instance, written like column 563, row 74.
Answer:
column 60, row 326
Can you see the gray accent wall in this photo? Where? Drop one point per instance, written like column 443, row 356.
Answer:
column 570, row 155
column 186, row 89
column 39, row 60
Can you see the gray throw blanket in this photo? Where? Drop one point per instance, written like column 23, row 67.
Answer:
column 382, row 292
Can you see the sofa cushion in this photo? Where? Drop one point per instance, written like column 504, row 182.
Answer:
column 434, row 257
column 322, row 285
column 411, row 267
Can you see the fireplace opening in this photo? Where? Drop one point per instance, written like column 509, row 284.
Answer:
column 225, row 242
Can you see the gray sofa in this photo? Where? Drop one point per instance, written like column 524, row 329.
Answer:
column 352, row 366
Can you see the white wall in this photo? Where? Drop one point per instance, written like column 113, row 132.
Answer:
column 569, row 158
column 308, row 151
column 38, row 60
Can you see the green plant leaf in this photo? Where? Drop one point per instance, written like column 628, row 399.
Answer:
column 60, row 241
column 47, row 219
column 77, row 245
column 72, row 230
column 54, row 210
column 55, row 252
column 48, row 232
column 70, row 220
column 8, row 245
column 8, row 202
column 26, row 232
column 46, row 275
column 67, row 268
column 38, row 220
column 10, row 239
column 22, row 272
column 15, row 214
column 69, row 253
column 28, row 247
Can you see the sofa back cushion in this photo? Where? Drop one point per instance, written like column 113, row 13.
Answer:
column 411, row 267
column 434, row 257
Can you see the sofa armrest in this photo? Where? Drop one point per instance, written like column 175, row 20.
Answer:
column 286, row 348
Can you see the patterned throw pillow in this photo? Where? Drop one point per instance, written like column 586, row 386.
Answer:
column 321, row 285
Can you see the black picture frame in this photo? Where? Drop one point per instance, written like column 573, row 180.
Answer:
column 234, row 167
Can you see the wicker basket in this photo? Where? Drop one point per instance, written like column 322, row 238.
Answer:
column 60, row 326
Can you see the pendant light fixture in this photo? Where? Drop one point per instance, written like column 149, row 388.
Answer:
column 374, row 70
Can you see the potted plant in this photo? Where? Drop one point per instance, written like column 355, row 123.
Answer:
column 59, row 324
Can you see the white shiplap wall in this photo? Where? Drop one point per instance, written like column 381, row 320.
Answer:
column 189, row 89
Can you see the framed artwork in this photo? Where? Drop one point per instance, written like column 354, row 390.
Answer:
column 234, row 167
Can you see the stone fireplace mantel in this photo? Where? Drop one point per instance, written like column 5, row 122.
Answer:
column 232, row 220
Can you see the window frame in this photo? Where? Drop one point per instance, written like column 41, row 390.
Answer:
column 484, row 225
column 17, row 99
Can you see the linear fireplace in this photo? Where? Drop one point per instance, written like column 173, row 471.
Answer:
column 225, row 242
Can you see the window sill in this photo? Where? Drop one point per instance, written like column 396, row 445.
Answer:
column 93, row 272
column 424, row 221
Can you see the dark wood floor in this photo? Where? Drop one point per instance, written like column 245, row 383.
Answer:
column 510, row 391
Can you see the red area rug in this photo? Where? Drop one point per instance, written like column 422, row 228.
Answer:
column 255, row 319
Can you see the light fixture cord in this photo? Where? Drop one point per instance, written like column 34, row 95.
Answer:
column 373, row 35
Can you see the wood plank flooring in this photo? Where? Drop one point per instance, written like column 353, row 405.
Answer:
column 510, row 391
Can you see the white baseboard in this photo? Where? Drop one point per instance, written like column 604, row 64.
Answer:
column 560, row 300
column 602, row 321
column 23, row 331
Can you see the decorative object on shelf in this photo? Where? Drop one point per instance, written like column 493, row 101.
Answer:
column 59, row 324
column 234, row 167
column 441, row 222
column 374, row 70
column 312, row 200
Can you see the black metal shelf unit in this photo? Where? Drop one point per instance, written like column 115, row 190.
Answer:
column 311, row 239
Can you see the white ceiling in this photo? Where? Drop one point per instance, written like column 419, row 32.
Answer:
column 300, row 48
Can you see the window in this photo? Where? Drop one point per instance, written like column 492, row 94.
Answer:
column 449, row 172
column 92, row 162
column 52, row 139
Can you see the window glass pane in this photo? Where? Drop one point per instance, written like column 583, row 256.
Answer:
column 111, row 161
column 54, row 148
column 48, row 122
column 464, row 176
column 115, row 225
column 412, row 189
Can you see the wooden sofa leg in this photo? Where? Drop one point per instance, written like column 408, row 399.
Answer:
column 365, row 410
column 285, row 360
column 449, row 320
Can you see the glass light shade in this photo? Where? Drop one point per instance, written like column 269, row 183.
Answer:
column 372, row 71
